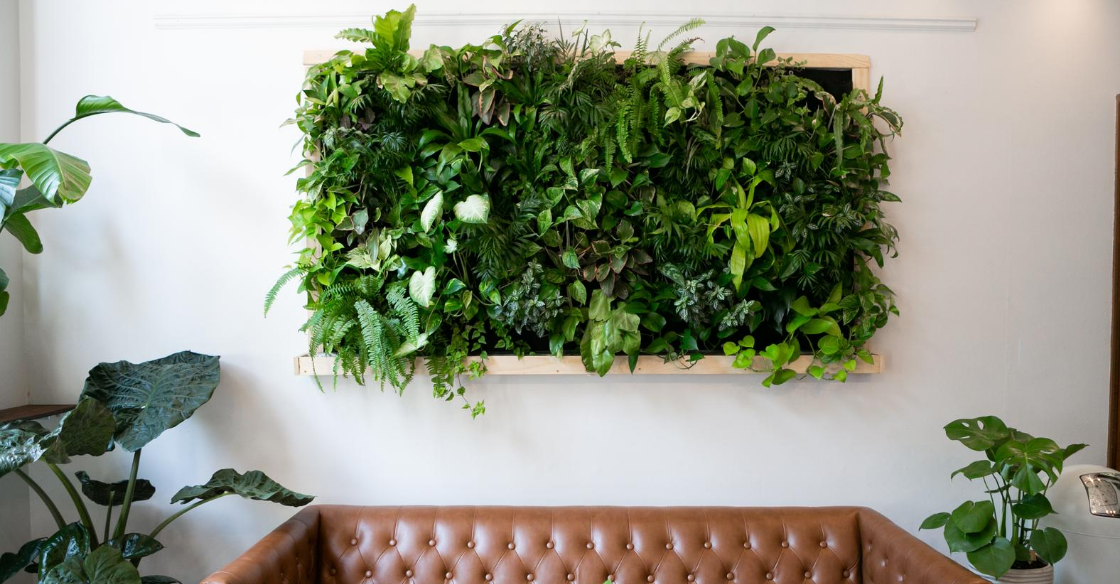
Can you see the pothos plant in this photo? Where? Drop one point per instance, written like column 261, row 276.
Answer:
column 1001, row 532
column 538, row 194
column 123, row 405
column 56, row 178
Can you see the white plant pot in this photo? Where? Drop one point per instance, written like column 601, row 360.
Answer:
column 1035, row 576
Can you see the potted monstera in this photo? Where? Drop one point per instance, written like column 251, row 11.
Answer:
column 124, row 406
column 1000, row 534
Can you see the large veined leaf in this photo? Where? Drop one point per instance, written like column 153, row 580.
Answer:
column 152, row 397
column 67, row 543
column 473, row 209
column 56, row 174
column 9, row 181
column 105, row 565
column 86, row 430
column 12, row 563
column 136, row 545
column 422, row 285
column 253, row 485
column 431, row 211
column 106, row 494
column 20, row 445
column 92, row 105
column 979, row 433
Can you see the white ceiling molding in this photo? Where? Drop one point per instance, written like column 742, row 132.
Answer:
column 495, row 19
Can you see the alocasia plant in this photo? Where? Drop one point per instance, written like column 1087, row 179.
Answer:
column 128, row 405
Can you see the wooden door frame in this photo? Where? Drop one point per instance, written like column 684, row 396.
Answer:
column 1114, row 370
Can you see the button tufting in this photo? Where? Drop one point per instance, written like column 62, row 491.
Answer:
column 824, row 544
column 431, row 542
column 571, row 577
column 550, row 545
column 691, row 578
column 529, row 577
column 447, row 575
column 354, row 541
column 769, row 576
column 808, row 575
column 511, row 546
column 730, row 576
column 333, row 572
column 707, row 545
column 590, row 546
column 368, row 573
column 785, row 544
column 408, row 573
column 392, row 542
column 669, row 546
column 629, row 546
column 649, row 578
column 470, row 545
column 489, row 577
column 746, row 545
column 845, row 574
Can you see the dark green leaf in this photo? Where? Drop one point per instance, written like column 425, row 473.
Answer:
column 12, row 563
column 86, row 430
column 976, row 470
column 994, row 559
column 19, row 226
column 92, row 105
column 106, row 494
column 1033, row 507
column 56, row 174
column 105, row 565
column 1050, row 544
column 152, row 397
column 960, row 541
column 935, row 521
column 20, row 444
column 70, row 542
column 136, row 545
column 158, row 580
column 252, row 485
column 973, row 517
column 978, row 433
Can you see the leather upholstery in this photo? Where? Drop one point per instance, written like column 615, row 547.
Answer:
column 586, row 545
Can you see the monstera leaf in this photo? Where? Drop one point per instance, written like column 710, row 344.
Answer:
column 92, row 105
column 106, row 494
column 67, row 543
column 152, row 397
column 87, row 429
column 105, row 565
column 20, row 444
column 11, row 564
column 978, row 434
column 253, row 485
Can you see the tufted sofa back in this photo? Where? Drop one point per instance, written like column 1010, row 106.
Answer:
column 588, row 545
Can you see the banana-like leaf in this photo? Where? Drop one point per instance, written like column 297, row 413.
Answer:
column 20, row 227
column 152, row 397
column 136, row 545
column 9, row 181
column 4, row 295
column 20, row 444
column 87, row 429
column 70, row 542
column 59, row 176
column 105, row 565
column 253, row 485
column 11, row 564
column 30, row 199
column 92, row 105
column 106, row 494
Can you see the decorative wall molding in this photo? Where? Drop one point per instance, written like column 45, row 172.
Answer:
column 495, row 19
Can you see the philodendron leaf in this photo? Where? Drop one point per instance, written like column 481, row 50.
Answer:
column 106, row 494
column 105, row 565
column 11, row 564
column 136, row 545
column 473, row 209
column 69, row 542
column 431, row 211
column 92, row 105
column 56, row 174
column 422, row 286
column 20, row 445
column 994, row 559
column 1049, row 543
column 978, row 433
column 152, row 397
column 86, row 429
column 252, row 485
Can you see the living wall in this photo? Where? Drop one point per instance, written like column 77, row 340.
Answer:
column 549, row 195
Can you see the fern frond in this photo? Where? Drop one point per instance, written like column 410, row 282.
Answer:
column 288, row 276
column 693, row 24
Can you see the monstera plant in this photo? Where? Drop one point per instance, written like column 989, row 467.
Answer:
column 56, row 178
column 1001, row 533
column 123, row 405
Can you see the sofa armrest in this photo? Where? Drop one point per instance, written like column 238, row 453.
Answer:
column 288, row 554
column 890, row 554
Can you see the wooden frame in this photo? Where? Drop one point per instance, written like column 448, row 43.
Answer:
column 1114, row 369
column 860, row 66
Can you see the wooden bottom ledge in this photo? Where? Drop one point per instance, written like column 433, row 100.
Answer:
column 33, row 412
column 573, row 365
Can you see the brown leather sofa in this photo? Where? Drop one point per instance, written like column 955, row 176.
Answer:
column 334, row 544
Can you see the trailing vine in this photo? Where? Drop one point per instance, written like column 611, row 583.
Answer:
column 531, row 194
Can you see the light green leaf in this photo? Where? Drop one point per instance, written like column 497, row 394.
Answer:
column 935, row 521
column 476, row 144
column 761, row 36
column 759, row 228
column 253, row 485
column 404, row 173
column 475, row 209
column 600, row 308
column 59, row 176
column 422, row 286
column 544, row 220
column 431, row 211
column 578, row 292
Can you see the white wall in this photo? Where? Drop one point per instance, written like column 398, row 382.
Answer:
column 15, row 512
column 1003, row 280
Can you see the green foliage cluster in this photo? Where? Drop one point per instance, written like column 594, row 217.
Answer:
column 128, row 405
column 1002, row 532
column 56, row 178
column 533, row 194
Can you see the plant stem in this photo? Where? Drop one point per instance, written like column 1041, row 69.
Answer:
column 108, row 521
column 122, row 521
column 68, row 122
column 80, row 505
column 168, row 521
column 42, row 495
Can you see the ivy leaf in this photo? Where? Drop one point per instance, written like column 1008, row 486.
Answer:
column 475, row 209
column 422, row 286
column 253, row 485
column 431, row 211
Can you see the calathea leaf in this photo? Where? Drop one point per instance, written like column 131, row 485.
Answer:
column 20, row 445
column 92, row 105
column 11, row 564
column 69, row 542
column 422, row 286
column 59, row 176
column 86, row 430
column 136, row 545
column 105, row 565
column 431, row 211
column 152, row 397
column 106, row 494
column 473, row 209
column 253, row 485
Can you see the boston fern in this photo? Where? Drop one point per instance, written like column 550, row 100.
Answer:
column 531, row 194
